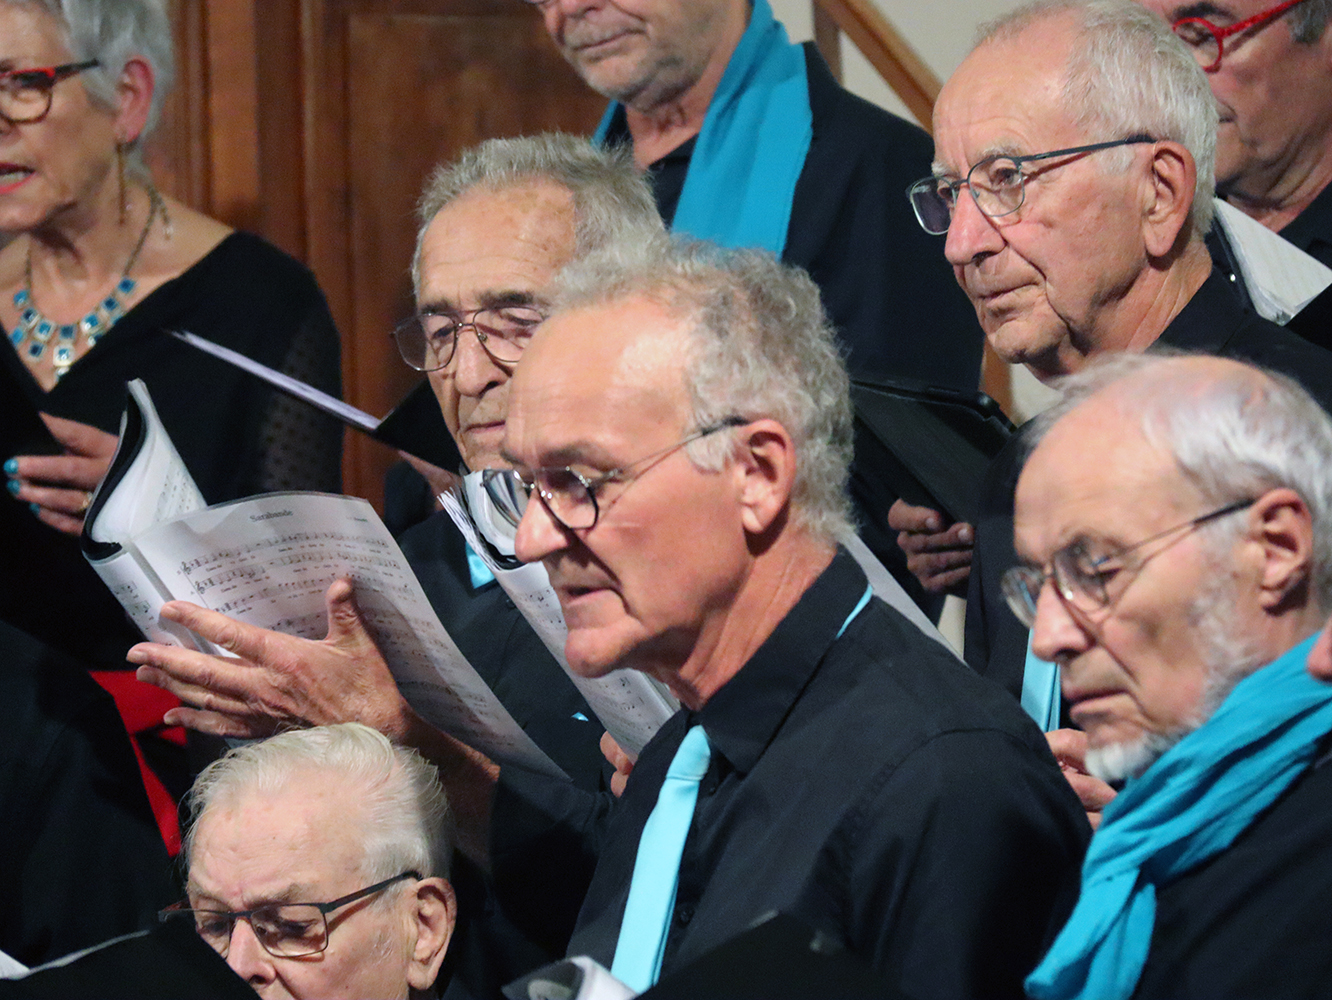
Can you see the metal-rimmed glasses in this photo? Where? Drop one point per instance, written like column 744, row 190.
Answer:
column 997, row 185
column 570, row 496
column 1082, row 579
column 1207, row 40
column 25, row 94
column 285, row 930
column 428, row 341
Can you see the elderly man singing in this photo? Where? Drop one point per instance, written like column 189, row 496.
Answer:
column 679, row 434
column 1176, row 562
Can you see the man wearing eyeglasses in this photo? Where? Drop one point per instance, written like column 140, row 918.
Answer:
column 679, row 433
column 1270, row 67
column 317, row 866
column 1074, row 191
column 1171, row 527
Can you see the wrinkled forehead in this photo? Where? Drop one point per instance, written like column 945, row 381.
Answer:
column 1095, row 475
column 1002, row 100
column 610, row 370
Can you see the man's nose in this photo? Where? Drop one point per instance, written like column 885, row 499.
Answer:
column 474, row 370
column 1056, row 635
column 539, row 534
column 247, row 957
column 971, row 233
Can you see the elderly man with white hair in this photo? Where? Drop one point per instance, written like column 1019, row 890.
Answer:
column 1073, row 178
column 318, row 864
column 1176, row 563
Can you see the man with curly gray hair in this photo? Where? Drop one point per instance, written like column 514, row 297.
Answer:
column 679, row 435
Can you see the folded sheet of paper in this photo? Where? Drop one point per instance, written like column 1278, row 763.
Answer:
column 1281, row 278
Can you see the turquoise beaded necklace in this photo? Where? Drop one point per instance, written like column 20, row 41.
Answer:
column 36, row 332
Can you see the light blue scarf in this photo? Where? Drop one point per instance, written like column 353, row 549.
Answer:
column 1187, row 807
column 752, row 147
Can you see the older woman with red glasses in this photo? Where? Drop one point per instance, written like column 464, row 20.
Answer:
column 99, row 264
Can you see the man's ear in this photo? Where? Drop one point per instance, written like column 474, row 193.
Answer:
column 1168, row 196
column 1281, row 526
column 435, row 913
column 766, row 463
column 134, row 98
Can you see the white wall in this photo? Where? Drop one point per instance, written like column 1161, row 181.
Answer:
column 941, row 39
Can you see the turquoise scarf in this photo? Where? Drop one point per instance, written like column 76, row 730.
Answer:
column 749, row 154
column 1187, row 807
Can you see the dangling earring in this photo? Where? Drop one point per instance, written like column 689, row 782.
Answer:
column 120, row 179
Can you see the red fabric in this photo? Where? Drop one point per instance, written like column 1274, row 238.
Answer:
column 142, row 706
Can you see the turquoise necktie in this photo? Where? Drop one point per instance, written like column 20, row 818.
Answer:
column 1040, row 690
column 642, row 941
column 647, row 913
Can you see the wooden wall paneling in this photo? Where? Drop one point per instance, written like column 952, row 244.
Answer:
column 178, row 151
column 233, row 103
column 394, row 89
column 280, row 123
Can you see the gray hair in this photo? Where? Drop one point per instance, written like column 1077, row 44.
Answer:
column 612, row 200
column 1232, row 437
column 113, row 32
column 761, row 346
column 1309, row 20
column 1131, row 76
column 395, row 795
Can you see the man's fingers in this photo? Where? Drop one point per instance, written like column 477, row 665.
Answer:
column 346, row 629
column 903, row 516
column 219, row 723
column 246, row 641
column 957, row 537
column 205, row 684
column 1069, row 747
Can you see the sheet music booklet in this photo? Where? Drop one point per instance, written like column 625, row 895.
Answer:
column 266, row 561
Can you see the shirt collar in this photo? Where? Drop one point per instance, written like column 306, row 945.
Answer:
column 744, row 716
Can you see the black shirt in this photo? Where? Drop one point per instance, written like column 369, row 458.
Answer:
column 1212, row 322
column 869, row 785
column 82, row 857
column 1254, row 921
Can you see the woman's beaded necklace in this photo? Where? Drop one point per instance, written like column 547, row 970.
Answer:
column 35, row 332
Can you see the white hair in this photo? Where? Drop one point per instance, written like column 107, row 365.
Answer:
column 1130, row 76
column 612, row 200
column 761, row 347
column 391, row 792
column 1232, row 437
column 113, row 32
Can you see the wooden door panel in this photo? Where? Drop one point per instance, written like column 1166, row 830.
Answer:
column 420, row 84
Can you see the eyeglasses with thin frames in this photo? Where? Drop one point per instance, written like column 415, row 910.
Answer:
column 285, row 930
column 429, row 341
column 569, row 496
column 25, row 94
column 997, row 184
column 1083, row 580
column 1207, row 40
